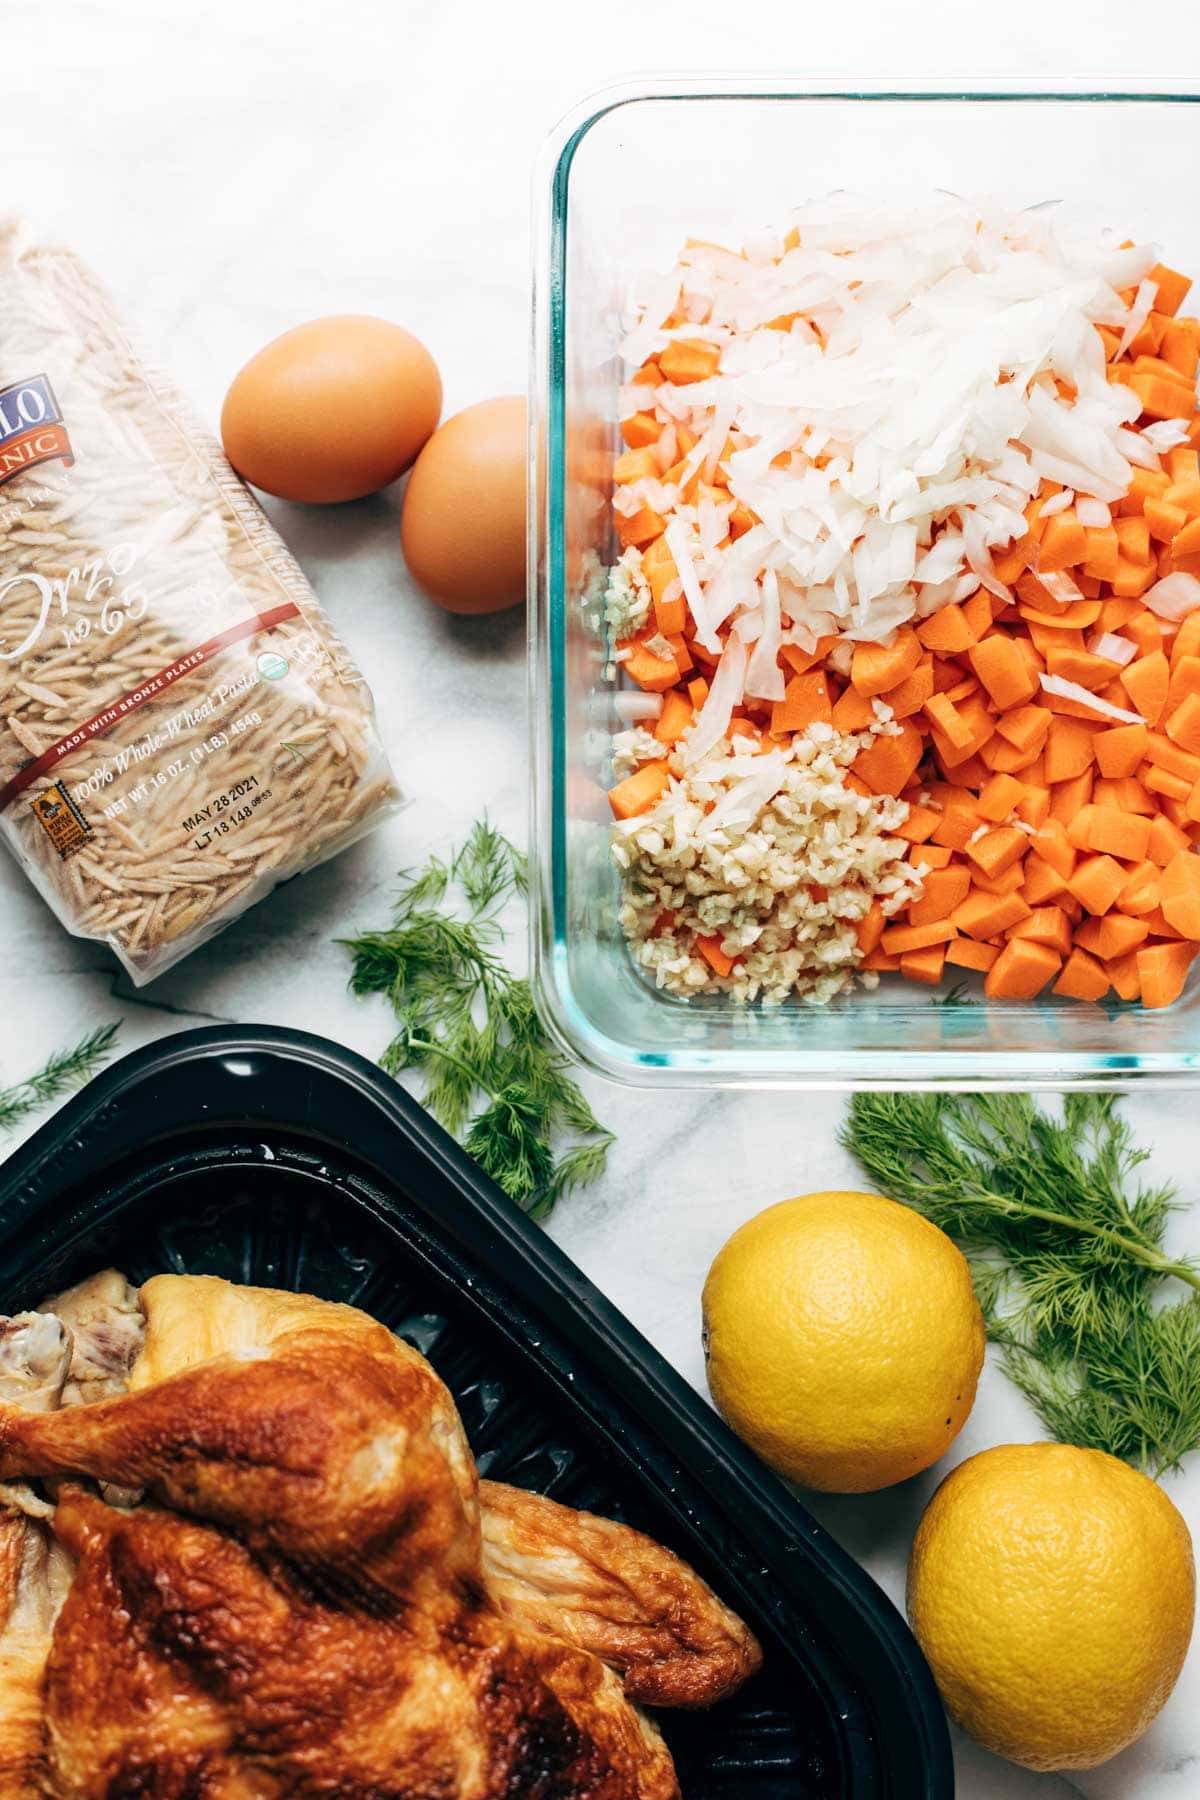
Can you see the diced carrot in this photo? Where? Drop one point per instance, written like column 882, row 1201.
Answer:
column 710, row 949
column 956, row 827
column 1070, row 749
column 1160, row 398
column 869, row 929
column 944, row 890
column 1045, row 925
column 1119, row 751
column 1033, row 808
column 1185, row 494
column 1166, row 841
column 1161, row 781
column 1187, row 640
column 930, row 856
column 636, row 465
column 999, row 798
column 1115, row 833
column 1002, row 670
column 920, row 824
column 639, row 791
column 851, row 780
column 1132, row 578
column 805, row 701
column 640, row 429
column 877, row 667
column 640, row 527
column 1147, row 340
column 998, row 850
column 1143, row 630
column 910, row 695
column 1183, row 725
column 1068, row 796
column 1181, row 893
column 946, row 631
column 1063, row 543
column 1126, row 794
column 1025, row 726
column 979, row 611
column 1082, row 667
column 881, row 961
column 1102, row 551
column 1147, row 682
column 968, row 772
column 1021, row 970
column 1143, row 891
column 897, row 940
column 965, row 953
column 1164, row 520
column 653, row 673
column 801, row 661
column 1082, row 978
column 1041, row 881
column 741, row 520
column 949, row 722
column 888, row 763
column 686, row 360
column 1009, row 881
column 1113, row 935
column 1133, row 535
column 1096, row 883
column 1180, row 347
column 1172, row 288
column 986, row 915
column 697, row 692
column 1163, row 972
column 1007, row 565
column 1159, row 926
column 852, row 711
column 674, row 718
column 924, row 965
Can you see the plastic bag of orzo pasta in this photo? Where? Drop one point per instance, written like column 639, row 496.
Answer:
column 180, row 729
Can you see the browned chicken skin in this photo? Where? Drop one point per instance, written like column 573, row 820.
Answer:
column 309, row 1604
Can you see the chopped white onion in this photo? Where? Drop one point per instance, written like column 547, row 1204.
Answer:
column 1060, row 586
column 1164, row 434
column 728, row 686
column 634, row 708
column 1072, row 690
column 1174, row 597
column 1092, row 513
column 1139, row 312
column 1112, row 647
column 1058, row 503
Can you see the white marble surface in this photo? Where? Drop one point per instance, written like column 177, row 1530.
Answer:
column 233, row 169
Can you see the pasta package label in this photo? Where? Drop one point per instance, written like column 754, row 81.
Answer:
column 180, row 728
column 31, row 428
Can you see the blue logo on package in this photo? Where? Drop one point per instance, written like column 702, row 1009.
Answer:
column 31, row 428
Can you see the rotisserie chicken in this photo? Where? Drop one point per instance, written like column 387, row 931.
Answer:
column 244, row 1552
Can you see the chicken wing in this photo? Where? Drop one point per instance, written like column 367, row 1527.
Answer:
column 609, row 1589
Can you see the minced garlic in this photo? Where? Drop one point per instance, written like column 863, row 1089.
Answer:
column 781, row 884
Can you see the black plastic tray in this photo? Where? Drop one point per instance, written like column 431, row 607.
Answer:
column 276, row 1158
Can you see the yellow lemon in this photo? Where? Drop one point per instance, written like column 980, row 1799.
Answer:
column 843, row 1339
column 1052, row 1590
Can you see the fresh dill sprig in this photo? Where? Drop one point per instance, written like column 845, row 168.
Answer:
column 1066, row 1250
column 492, row 1077
column 59, row 1075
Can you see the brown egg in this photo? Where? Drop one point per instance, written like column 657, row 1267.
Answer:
column 463, row 524
column 332, row 410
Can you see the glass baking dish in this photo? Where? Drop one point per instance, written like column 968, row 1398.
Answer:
column 625, row 179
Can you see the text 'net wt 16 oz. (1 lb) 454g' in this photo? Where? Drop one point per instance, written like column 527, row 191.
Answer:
column 180, row 729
